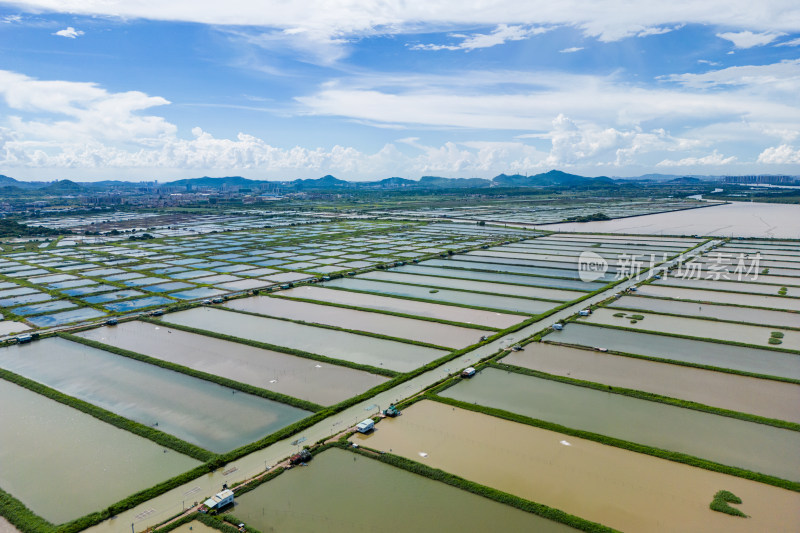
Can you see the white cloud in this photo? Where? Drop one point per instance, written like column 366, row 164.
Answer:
column 793, row 42
column 500, row 35
column 481, row 100
column 571, row 50
column 780, row 155
column 608, row 20
column 69, row 32
column 68, row 111
column 712, row 159
column 748, row 39
column 783, row 76
column 11, row 19
column 709, row 63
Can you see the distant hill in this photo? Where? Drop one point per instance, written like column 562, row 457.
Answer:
column 685, row 181
column 217, row 183
column 63, row 187
column 548, row 179
column 553, row 178
column 325, row 182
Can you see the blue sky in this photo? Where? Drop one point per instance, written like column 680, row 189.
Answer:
column 278, row 89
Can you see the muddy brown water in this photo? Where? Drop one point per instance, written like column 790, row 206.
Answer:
column 341, row 492
column 767, row 398
column 619, row 488
column 62, row 463
column 321, row 383
column 721, row 439
column 395, row 326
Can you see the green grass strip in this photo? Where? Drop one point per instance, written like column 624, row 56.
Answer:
column 699, row 317
column 689, row 337
column 429, row 301
column 469, row 291
column 385, row 312
column 21, row 517
column 684, row 363
column 159, row 437
column 344, row 330
column 441, row 476
column 649, row 396
column 623, row 444
column 225, row 382
column 275, row 348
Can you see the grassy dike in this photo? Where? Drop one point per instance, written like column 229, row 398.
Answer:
column 344, row 330
column 430, row 301
column 225, row 382
column 689, row 337
column 159, row 437
column 21, row 517
column 642, row 395
column 683, row 363
column 275, row 348
column 441, row 476
column 384, row 312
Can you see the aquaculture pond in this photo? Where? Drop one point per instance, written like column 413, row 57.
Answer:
column 499, row 277
column 706, row 310
column 350, row 493
column 409, row 307
column 622, row 489
column 383, row 324
column 361, row 349
column 697, row 327
column 201, row 412
column 63, row 464
column 65, row 317
column 491, row 301
column 459, row 263
column 477, row 286
column 704, row 295
column 763, row 397
column 729, row 441
column 317, row 382
column 745, row 285
column 742, row 358
column 139, row 303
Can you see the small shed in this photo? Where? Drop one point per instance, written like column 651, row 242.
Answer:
column 365, row 426
column 219, row 500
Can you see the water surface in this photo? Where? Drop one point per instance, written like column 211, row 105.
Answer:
column 729, row 441
column 622, row 489
column 350, row 494
column 62, row 463
column 197, row 411
column 321, row 383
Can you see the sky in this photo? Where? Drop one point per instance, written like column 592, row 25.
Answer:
column 370, row 89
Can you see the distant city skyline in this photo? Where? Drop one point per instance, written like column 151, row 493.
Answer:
column 143, row 90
